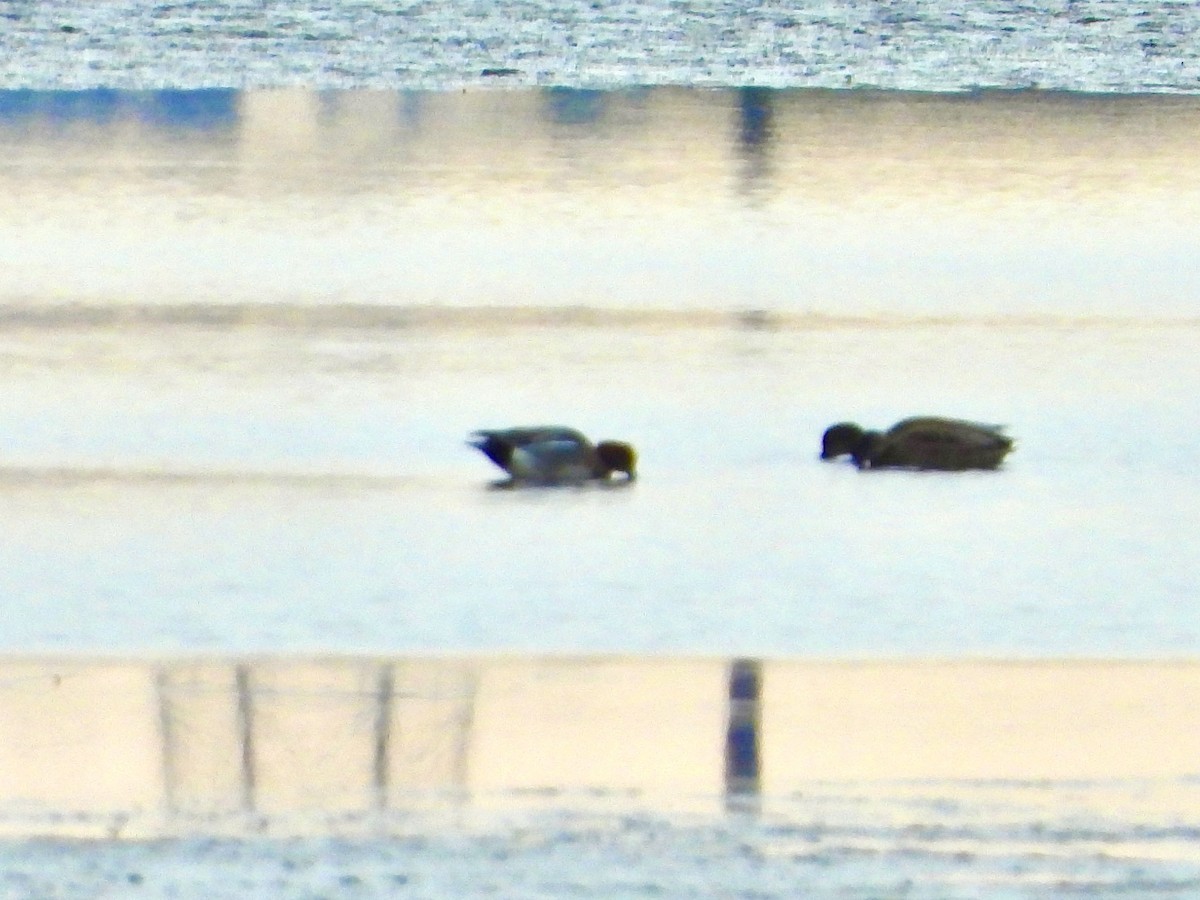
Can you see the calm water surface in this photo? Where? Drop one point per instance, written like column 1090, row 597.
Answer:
column 243, row 336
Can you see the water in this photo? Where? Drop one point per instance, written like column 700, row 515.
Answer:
column 1089, row 45
column 533, row 776
column 241, row 358
column 312, row 491
column 633, row 856
column 245, row 329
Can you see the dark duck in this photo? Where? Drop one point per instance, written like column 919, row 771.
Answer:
column 930, row 443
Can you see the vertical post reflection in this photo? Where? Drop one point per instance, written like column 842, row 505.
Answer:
column 385, row 694
column 742, row 741
column 464, row 726
column 245, row 707
column 756, row 113
column 166, row 727
column 575, row 106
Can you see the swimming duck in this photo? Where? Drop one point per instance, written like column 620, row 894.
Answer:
column 922, row 442
column 553, row 454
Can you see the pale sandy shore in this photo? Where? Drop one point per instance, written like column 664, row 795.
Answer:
column 140, row 748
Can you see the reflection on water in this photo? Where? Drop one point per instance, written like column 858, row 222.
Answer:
column 305, row 485
column 755, row 136
column 998, row 203
column 212, row 109
column 243, row 335
column 835, row 145
column 301, row 743
column 742, row 738
column 576, row 107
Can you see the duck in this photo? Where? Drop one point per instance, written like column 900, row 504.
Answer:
column 554, row 454
column 921, row 442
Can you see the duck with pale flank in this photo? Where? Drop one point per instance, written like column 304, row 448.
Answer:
column 554, row 454
column 922, row 442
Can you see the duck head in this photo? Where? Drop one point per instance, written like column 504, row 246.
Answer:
column 840, row 439
column 616, row 456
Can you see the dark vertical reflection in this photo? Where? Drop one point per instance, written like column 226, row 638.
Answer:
column 409, row 107
column 465, row 726
column 166, row 728
column 170, row 110
column 245, row 715
column 571, row 106
column 756, row 114
column 16, row 105
column 742, row 761
column 99, row 106
column 195, row 110
column 329, row 106
column 385, row 692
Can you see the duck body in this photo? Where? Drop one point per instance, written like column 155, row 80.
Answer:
column 922, row 442
column 500, row 445
column 554, row 454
